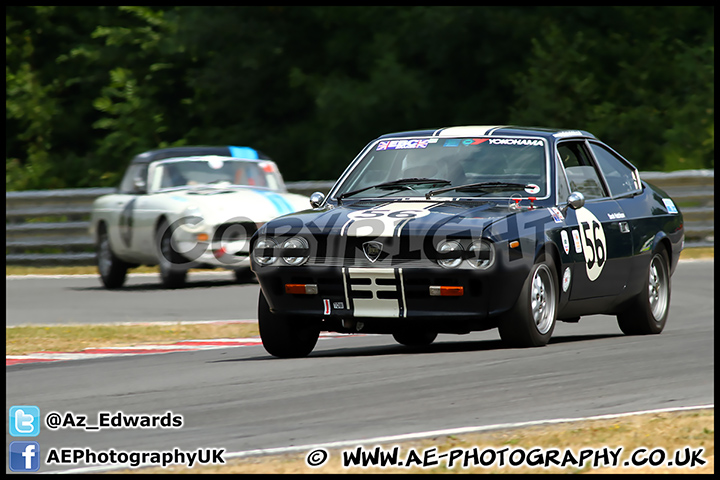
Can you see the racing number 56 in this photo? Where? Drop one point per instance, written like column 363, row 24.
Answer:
column 594, row 248
column 381, row 213
column 595, row 244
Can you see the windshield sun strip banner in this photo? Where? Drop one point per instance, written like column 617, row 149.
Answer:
column 411, row 143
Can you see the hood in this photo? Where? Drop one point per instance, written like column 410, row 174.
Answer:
column 394, row 218
column 219, row 205
column 403, row 232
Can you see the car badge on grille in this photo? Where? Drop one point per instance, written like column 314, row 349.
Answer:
column 372, row 250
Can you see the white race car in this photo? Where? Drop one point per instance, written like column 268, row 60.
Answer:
column 188, row 207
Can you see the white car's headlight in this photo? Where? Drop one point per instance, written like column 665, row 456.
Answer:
column 483, row 254
column 295, row 242
column 447, row 246
column 193, row 215
column 260, row 256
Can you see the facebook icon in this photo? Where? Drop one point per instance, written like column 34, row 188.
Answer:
column 24, row 456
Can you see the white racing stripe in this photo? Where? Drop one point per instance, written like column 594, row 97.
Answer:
column 385, row 220
column 467, row 131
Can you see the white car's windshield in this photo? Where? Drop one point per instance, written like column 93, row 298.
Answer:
column 431, row 166
column 213, row 170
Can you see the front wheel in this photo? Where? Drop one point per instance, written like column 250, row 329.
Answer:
column 532, row 320
column 112, row 270
column 648, row 311
column 172, row 274
column 286, row 336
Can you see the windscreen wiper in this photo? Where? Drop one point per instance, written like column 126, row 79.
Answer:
column 476, row 186
column 402, row 183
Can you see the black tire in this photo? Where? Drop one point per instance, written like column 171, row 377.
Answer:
column 532, row 320
column 245, row 275
column 648, row 311
column 171, row 263
column 112, row 270
column 415, row 338
column 284, row 336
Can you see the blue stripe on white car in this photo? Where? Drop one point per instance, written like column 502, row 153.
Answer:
column 281, row 205
column 244, row 152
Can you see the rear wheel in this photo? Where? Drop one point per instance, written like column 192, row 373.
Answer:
column 532, row 320
column 648, row 311
column 172, row 274
column 112, row 270
column 286, row 336
column 415, row 338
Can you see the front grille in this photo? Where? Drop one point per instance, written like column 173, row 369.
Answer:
column 348, row 251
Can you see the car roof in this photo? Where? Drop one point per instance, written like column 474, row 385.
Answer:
column 196, row 151
column 209, row 158
column 492, row 131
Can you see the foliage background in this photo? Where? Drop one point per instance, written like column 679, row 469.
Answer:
column 87, row 88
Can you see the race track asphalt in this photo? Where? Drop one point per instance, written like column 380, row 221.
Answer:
column 350, row 388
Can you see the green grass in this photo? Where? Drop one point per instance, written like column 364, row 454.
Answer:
column 23, row 340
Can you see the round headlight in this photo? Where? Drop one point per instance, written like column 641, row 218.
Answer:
column 295, row 242
column 193, row 215
column 258, row 253
column 483, row 254
column 447, row 247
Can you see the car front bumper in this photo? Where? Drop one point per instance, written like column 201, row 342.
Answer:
column 224, row 245
column 392, row 295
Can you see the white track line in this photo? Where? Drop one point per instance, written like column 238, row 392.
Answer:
column 405, row 437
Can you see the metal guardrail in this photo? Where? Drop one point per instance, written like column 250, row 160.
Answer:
column 50, row 227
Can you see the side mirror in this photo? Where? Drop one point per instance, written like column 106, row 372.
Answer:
column 576, row 200
column 316, row 199
column 139, row 185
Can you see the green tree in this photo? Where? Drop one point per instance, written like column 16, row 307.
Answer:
column 87, row 88
column 143, row 104
column 631, row 75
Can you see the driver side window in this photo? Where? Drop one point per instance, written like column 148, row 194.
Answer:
column 581, row 173
column 138, row 171
column 618, row 175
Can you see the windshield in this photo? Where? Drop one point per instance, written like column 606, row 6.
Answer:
column 495, row 167
column 189, row 172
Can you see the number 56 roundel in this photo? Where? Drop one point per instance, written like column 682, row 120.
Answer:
column 593, row 241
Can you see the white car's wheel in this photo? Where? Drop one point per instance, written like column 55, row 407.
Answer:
column 172, row 271
column 112, row 270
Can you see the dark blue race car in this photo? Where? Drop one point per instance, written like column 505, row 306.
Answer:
column 470, row 228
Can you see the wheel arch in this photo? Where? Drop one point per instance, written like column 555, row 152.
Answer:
column 100, row 226
column 161, row 218
column 549, row 248
column 662, row 241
